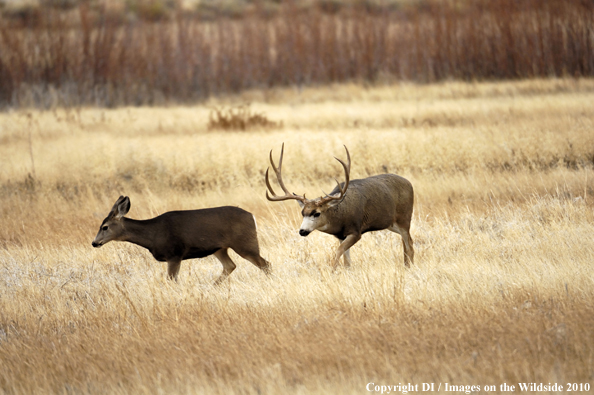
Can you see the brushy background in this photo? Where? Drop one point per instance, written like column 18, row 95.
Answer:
column 147, row 52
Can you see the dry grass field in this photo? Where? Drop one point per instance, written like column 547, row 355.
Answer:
column 502, row 289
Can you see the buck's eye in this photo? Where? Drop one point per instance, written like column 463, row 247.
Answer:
column 316, row 215
column 104, row 228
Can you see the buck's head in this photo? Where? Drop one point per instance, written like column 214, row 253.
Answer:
column 315, row 211
column 315, row 214
column 112, row 227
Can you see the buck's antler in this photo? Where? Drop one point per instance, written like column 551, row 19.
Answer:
column 288, row 195
column 343, row 189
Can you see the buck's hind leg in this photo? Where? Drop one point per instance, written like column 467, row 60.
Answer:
column 409, row 252
column 228, row 265
column 407, row 244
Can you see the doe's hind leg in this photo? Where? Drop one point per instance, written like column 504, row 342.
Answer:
column 256, row 259
column 251, row 253
column 260, row 262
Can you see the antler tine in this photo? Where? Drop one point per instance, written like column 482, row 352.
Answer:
column 279, row 178
column 347, row 171
column 278, row 170
column 268, row 185
column 328, row 196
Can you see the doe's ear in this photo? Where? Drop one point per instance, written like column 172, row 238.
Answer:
column 122, row 207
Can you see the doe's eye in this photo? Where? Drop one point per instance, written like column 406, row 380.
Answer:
column 104, row 228
column 316, row 215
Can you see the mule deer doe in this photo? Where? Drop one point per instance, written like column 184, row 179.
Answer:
column 179, row 235
column 354, row 207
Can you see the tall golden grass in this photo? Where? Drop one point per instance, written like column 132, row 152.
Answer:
column 501, row 290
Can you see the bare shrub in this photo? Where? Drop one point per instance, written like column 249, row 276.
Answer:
column 239, row 118
column 101, row 56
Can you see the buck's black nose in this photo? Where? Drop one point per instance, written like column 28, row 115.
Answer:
column 304, row 232
column 95, row 244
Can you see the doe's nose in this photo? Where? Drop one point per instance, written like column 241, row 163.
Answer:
column 95, row 244
column 304, row 232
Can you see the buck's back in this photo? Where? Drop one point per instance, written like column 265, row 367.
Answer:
column 379, row 200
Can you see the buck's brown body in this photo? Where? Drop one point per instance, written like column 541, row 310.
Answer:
column 179, row 235
column 381, row 202
column 355, row 207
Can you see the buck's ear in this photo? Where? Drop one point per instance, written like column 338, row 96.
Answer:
column 333, row 203
column 300, row 203
column 123, row 206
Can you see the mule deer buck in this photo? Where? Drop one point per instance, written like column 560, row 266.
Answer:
column 354, row 207
column 178, row 235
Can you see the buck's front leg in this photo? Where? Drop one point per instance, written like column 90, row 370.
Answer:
column 347, row 258
column 347, row 243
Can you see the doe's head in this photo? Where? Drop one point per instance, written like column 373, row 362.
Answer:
column 112, row 227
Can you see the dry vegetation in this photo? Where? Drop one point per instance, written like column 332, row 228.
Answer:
column 94, row 54
column 502, row 289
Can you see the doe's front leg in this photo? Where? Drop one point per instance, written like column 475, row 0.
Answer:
column 228, row 265
column 173, row 266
